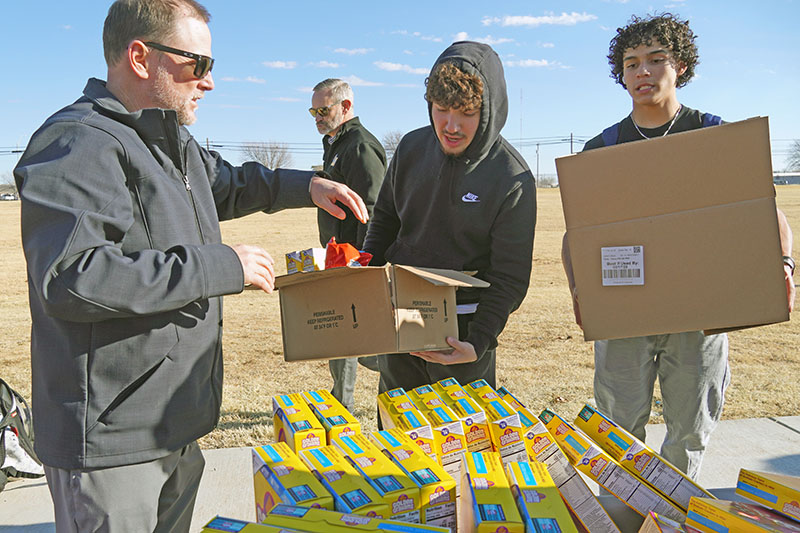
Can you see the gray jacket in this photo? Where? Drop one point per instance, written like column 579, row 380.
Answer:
column 126, row 272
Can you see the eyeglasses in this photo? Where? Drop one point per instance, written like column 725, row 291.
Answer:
column 322, row 111
column 202, row 64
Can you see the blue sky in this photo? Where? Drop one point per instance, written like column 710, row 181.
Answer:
column 269, row 54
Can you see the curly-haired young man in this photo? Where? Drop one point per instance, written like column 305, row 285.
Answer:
column 458, row 196
column 651, row 58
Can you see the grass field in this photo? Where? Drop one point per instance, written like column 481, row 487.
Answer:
column 542, row 357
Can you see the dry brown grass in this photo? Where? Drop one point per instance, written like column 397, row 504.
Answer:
column 542, row 356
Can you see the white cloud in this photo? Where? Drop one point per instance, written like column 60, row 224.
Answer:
column 353, row 51
column 248, row 79
column 280, row 64
column 418, row 35
column 325, row 64
column 286, row 99
column 464, row 36
column 564, row 19
column 355, row 81
column 66, row 27
column 398, row 67
column 308, row 90
column 528, row 63
column 408, row 52
column 548, row 45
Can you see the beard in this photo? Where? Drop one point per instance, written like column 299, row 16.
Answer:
column 330, row 123
column 167, row 96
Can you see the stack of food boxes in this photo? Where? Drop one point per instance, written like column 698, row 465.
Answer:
column 596, row 464
column 541, row 447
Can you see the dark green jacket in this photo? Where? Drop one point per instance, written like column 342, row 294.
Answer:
column 358, row 160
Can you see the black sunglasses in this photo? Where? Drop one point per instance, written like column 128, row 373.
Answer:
column 322, row 111
column 202, row 64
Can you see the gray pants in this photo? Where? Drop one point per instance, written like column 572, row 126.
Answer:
column 343, row 372
column 155, row 496
column 693, row 373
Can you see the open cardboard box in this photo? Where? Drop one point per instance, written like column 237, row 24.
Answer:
column 354, row 311
column 693, row 214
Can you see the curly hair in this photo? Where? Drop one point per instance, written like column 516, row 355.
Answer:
column 665, row 28
column 451, row 87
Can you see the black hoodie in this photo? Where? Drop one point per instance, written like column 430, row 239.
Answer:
column 474, row 212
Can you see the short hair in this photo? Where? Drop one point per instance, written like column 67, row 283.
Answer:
column 152, row 20
column 340, row 89
column 665, row 28
column 451, row 87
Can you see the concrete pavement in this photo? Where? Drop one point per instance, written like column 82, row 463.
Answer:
column 766, row 444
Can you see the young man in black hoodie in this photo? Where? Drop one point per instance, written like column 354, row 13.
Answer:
column 457, row 195
column 651, row 58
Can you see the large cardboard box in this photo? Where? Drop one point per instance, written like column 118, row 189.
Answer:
column 674, row 234
column 354, row 311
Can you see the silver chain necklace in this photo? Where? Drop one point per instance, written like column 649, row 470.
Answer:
column 635, row 125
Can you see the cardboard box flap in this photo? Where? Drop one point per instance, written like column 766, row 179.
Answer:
column 748, row 171
column 303, row 277
column 445, row 278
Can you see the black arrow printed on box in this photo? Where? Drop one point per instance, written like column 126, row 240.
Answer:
column 353, row 307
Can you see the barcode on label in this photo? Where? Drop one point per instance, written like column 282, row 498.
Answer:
column 619, row 274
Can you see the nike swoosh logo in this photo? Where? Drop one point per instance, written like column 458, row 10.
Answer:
column 470, row 198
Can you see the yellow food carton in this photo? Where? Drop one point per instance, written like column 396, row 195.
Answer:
column 295, row 424
column 601, row 468
column 313, row 259
column 333, row 416
column 437, row 488
column 449, row 442
column 538, row 499
column 640, row 460
column 473, row 419
column 776, row 491
column 294, row 263
column 487, row 504
column 715, row 516
column 396, row 409
column 505, row 428
column 322, row 521
column 541, row 447
column 279, row 476
column 351, row 492
column 394, row 485
column 220, row 524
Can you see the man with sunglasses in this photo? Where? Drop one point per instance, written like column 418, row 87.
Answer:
column 126, row 273
column 353, row 156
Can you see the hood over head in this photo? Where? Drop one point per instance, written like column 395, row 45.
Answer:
column 482, row 60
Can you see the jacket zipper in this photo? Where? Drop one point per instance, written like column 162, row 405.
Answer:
column 187, row 185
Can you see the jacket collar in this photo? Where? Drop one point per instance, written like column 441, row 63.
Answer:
column 153, row 125
column 347, row 126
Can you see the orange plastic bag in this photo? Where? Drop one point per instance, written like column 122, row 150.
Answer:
column 344, row 254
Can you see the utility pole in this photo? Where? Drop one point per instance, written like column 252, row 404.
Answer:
column 537, row 162
column 570, row 144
